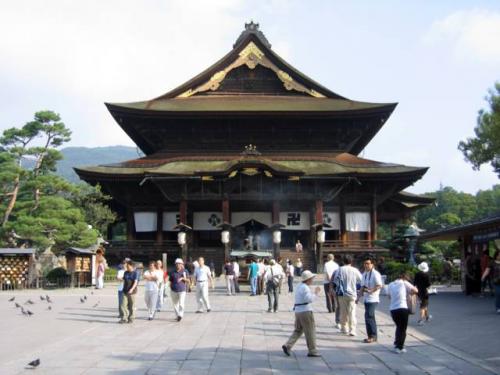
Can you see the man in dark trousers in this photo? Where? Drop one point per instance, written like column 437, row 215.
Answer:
column 130, row 282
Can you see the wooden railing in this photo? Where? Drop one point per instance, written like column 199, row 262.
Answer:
column 145, row 245
column 356, row 244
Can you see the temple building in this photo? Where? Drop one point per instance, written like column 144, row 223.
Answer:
column 252, row 154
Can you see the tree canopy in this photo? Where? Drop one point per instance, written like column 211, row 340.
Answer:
column 485, row 146
column 37, row 206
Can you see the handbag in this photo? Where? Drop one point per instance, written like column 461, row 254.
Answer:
column 411, row 301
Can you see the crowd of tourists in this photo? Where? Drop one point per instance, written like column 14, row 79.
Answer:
column 344, row 286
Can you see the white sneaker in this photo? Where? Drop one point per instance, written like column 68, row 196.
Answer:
column 429, row 318
column 420, row 322
column 498, row 311
column 403, row 350
column 397, row 351
column 338, row 326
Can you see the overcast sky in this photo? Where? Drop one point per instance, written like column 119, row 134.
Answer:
column 436, row 58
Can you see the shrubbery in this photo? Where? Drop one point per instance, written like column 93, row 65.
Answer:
column 56, row 274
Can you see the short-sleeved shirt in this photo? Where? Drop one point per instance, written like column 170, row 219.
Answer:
column 253, row 270
column 176, row 285
column 495, row 272
column 398, row 290
column 202, row 274
column 422, row 282
column 229, row 269
column 153, row 285
column 370, row 280
column 129, row 277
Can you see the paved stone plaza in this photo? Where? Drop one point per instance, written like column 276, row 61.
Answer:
column 237, row 337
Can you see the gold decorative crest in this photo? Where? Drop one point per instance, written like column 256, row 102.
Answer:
column 251, row 56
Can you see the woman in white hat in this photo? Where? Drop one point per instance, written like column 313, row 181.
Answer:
column 423, row 282
column 179, row 283
column 304, row 318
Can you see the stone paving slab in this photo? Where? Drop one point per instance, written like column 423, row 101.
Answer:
column 237, row 337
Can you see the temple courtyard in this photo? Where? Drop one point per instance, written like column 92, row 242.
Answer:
column 237, row 337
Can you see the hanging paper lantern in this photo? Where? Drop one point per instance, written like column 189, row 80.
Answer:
column 181, row 238
column 320, row 236
column 224, row 237
column 277, row 237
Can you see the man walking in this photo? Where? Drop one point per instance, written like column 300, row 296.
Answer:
column 346, row 280
column 253, row 273
column 236, row 268
column 329, row 268
column 179, row 281
column 273, row 276
column 371, row 285
column 203, row 276
column 130, row 281
column 304, row 318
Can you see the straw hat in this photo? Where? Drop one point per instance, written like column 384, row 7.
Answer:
column 424, row 267
column 179, row 261
column 306, row 275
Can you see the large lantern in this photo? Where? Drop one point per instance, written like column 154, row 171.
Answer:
column 277, row 237
column 224, row 237
column 320, row 236
column 181, row 238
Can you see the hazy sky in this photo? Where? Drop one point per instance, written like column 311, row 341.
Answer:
column 436, row 58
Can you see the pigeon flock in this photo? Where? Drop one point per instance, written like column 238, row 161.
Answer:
column 28, row 313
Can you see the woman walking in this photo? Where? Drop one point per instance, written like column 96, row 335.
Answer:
column 290, row 269
column 151, row 286
column 398, row 291
column 229, row 272
column 493, row 271
column 423, row 282
column 179, row 284
column 304, row 317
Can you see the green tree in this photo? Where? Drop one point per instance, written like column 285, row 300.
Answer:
column 485, row 146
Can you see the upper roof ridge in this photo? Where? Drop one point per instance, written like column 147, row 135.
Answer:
column 252, row 28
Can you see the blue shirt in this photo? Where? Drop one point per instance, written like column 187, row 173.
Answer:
column 175, row 280
column 253, row 270
column 128, row 281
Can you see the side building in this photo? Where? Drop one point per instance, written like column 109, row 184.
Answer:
column 253, row 153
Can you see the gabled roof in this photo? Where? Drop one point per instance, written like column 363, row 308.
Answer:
column 319, row 165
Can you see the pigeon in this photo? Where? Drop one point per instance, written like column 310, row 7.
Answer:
column 48, row 299
column 12, row 299
column 49, row 308
column 24, row 311
column 17, row 305
column 42, row 298
column 34, row 363
column 85, row 298
column 91, row 292
column 30, row 302
column 82, row 300
column 97, row 304
column 29, row 312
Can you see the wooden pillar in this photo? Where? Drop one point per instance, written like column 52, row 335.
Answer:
column 318, row 218
column 130, row 225
column 183, row 211
column 373, row 220
column 225, row 210
column 226, row 218
column 275, row 220
column 183, row 220
column 159, row 226
column 343, row 232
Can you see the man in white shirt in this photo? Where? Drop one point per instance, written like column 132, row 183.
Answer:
column 236, row 268
column 304, row 318
column 347, row 278
column 371, row 285
column 273, row 276
column 329, row 268
column 202, row 277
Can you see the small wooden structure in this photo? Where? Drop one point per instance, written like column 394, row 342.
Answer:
column 16, row 268
column 80, row 264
